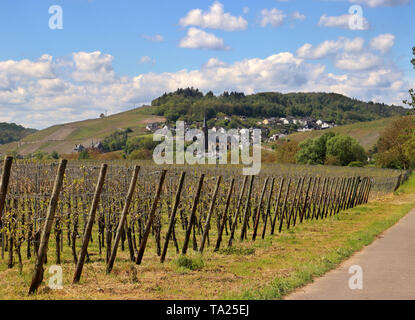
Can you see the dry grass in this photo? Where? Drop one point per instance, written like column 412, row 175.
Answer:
column 277, row 264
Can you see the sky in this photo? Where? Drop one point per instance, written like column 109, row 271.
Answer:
column 70, row 60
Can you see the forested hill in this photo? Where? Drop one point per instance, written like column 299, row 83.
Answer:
column 190, row 104
column 10, row 132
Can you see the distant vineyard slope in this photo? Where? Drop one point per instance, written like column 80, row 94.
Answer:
column 10, row 132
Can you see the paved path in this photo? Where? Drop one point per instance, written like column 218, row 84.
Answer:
column 388, row 266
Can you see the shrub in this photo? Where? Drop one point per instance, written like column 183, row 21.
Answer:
column 189, row 263
column 83, row 155
column 237, row 251
column 140, row 155
column 356, row 164
column 54, row 155
column 331, row 149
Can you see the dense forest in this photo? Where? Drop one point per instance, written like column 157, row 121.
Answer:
column 190, row 104
column 10, row 132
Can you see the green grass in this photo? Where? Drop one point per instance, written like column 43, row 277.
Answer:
column 237, row 251
column 191, row 263
column 318, row 265
column 268, row 268
column 367, row 133
column 63, row 138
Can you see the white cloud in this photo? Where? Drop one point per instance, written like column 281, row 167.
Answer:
column 296, row 15
column 199, row 39
column 383, row 42
column 357, row 62
column 346, row 54
column 329, row 47
column 42, row 101
column 147, row 59
column 273, row 17
column 215, row 18
column 93, row 67
column 214, row 63
column 14, row 72
column 341, row 22
column 245, row 10
column 380, row 3
column 155, row 38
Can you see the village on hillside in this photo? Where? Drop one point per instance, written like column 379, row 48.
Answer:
column 273, row 128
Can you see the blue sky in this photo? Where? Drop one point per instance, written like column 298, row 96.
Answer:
column 114, row 55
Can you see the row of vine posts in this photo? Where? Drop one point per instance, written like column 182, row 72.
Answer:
column 313, row 198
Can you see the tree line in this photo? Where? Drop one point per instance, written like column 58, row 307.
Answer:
column 192, row 105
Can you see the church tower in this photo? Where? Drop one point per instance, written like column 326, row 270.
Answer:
column 205, row 133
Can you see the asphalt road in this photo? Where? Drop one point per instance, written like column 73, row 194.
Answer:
column 387, row 270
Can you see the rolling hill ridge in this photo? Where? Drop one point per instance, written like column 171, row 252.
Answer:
column 363, row 120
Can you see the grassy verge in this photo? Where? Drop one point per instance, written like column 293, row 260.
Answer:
column 391, row 209
column 264, row 269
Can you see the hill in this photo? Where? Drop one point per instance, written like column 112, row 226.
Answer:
column 191, row 105
column 10, row 132
column 62, row 138
column 367, row 133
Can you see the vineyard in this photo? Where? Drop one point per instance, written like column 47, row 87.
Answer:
column 138, row 207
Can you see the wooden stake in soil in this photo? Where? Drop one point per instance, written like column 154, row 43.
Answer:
column 224, row 217
column 150, row 219
column 7, row 164
column 283, row 207
column 247, row 208
column 235, row 221
column 207, row 224
column 298, row 204
column 192, row 217
column 88, row 229
column 302, row 213
column 268, row 209
column 277, row 203
column 258, row 214
column 173, row 217
column 293, row 202
column 120, row 227
column 38, row 272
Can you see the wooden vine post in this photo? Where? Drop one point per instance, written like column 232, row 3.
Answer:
column 150, row 219
column 225, row 215
column 247, row 207
column 283, row 208
column 121, row 223
column 38, row 272
column 258, row 214
column 173, row 217
column 277, row 203
column 7, row 165
column 302, row 213
column 238, row 206
column 91, row 219
column 192, row 217
column 268, row 209
column 207, row 224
